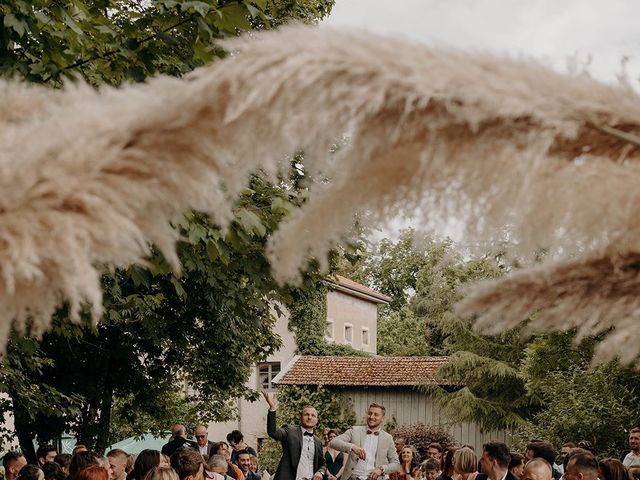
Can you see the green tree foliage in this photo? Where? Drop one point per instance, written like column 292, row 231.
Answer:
column 581, row 403
column 539, row 385
column 160, row 331
column 110, row 41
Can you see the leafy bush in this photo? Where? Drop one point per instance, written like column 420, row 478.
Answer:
column 421, row 435
column 598, row 404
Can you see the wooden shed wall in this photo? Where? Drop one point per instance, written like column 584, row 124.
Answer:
column 409, row 407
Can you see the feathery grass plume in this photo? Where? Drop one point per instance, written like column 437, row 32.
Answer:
column 94, row 177
column 494, row 142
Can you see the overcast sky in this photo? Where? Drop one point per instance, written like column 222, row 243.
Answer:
column 553, row 30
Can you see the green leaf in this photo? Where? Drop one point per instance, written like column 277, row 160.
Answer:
column 212, row 250
column 179, row 289
column 262, row 4
column 250, row 222
column 71, row 23
column 201, row 8
column 17, row 25
column 233, row 17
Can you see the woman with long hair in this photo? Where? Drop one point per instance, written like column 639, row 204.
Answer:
column 612, row 469
column 409, row 464
column 447, row 464
column 465, row 464
column 145, row 461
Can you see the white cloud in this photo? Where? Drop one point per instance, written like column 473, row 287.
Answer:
column 549, row 29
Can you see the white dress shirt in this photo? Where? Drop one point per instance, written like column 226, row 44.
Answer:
column 305, row 466
column 364, row 467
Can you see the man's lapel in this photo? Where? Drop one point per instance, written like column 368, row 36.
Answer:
column 297, row 448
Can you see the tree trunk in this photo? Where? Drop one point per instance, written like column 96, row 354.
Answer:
column 104, row 424
column 25, row 432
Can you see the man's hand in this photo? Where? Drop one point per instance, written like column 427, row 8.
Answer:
column 318, row 476
column 375, row 474
column 360, row 453
column 271, row 401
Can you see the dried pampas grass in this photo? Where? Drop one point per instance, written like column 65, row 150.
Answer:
column 94, row 177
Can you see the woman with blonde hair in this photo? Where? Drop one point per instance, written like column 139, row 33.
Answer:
column 465, row 464
column 161, row 472
column 409, row 464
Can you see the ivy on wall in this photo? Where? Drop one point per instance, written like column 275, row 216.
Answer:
column 308, row 316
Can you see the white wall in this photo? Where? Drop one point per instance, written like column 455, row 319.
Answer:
column 410, row 407
column 343, row 309
column 253, row 415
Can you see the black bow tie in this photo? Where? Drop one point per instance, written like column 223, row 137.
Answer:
column 308, row 434
column 369, row 432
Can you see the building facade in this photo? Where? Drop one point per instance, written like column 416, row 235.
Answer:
column 352, row 318
column 390, row 381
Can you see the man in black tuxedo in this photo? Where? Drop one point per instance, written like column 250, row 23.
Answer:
column 495, row 462
column 302, row 456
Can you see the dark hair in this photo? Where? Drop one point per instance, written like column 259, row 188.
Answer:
column 435, row 445
column 569, row 444
column 63, row 459
column 330, row 431
column 9, row 458
column 447, row 461
column 585, row 462
column 572, row 452
column 543, row 449
column 243, row 452
column 93, row 472
column 235, row 436
column 29, row 472
column 587, row 445
column 499, row 452
column 612, row 469
column 431, row 464
column 81, row 460
column 186, row 462
column 78, row 446
column 634, row 430
column 53, row 471
column 145, row 461
column 44, row 449
column 516, row 460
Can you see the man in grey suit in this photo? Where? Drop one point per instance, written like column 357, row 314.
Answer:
column 372, row 452
column 302, row 456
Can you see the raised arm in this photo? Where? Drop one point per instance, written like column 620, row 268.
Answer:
column 276, row 433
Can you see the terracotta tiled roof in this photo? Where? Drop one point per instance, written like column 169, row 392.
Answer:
column 362, row 371
column 349, row 286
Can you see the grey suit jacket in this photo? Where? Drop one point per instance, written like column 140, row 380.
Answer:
column 386, row 455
